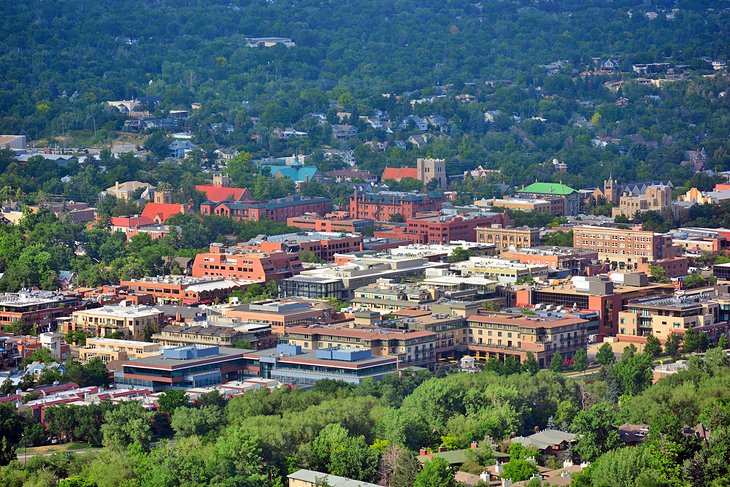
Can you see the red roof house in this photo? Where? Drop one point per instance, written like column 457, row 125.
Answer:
column 398, row 173
column 221, row 193
column 160, row 212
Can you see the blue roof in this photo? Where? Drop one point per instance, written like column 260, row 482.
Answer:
column 303, row 173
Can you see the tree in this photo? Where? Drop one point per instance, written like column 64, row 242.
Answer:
column 309, row 256
column 191, row 421
column 398, row 467
column 596, row 431
column 397, row 218
column 556, row 363
column 172, row 399
column 460, row 254
column 695, row 341
column 530, row 365
column 722, row 342
column 518, row 470
column 126, row 424
column 659, row 273
column 671, row 346
column 11, row 431
column 558, row 239
column 436, row 473
column 605, row 355
column 580, row 360
column 633, row 372
column 653, row 346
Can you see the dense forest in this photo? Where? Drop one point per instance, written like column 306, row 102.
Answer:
column 59, row 65
column 371, row 432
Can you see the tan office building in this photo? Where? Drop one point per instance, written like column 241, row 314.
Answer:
column 111, row 350
column 509, row 238
column 129, row 321
column 627, row 248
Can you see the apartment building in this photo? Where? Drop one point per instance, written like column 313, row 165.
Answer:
column 332, row 222
column 502, row 270
column 278, row 210
column 433, row 227
column 324, row 245
column 246, row 264
column 42, row 307
column 112, row 351
column 126, row 321
column 387, row 296
column 624, row 248
column 501, row 336
column 663, row 315
column 384, row 205
column 258, row 335
column 574, row 261
column 530, row 205
column 508, row 238
column 411, row 347
column 184, row 289
column 279, row 315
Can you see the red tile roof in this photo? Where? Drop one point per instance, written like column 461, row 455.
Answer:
column 221, row 193
column 160, row 212
column 398, row 173
column 131, row 221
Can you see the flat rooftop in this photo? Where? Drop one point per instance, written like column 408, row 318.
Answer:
column 677, row 302
column 224, row 353
column 362, row 333
column 552, row 251
column 119, row 311
column 310, row 357
column 30, row 298
column 301, row 237
column 116, row 341
column 526, row 321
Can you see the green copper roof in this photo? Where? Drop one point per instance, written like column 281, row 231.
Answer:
column 547, row 188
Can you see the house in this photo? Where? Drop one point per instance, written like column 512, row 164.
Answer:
column 341, row 175
column 633, row 434
column 311, row 478
column 481, row 172
column 419, row 140
column 343, row 131
column 128, row 191
column 491, row 115
column 298, row 174
column 610, row 65
column 418, row 122
column 548, row 440
column 179, row 148
column 269, row 42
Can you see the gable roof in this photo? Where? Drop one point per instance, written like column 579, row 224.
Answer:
column 548, row 188
column 545, row 439
column 160, row 212
column 131, row 221
column 221, row 193
column 304, row 173
column 398, row 173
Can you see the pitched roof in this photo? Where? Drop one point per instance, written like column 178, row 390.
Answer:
column 162, row 211
column 548, row 188
column 221, row 193
column 545, row 439
column 304, row 173
column 398, row 173
column 131, row 221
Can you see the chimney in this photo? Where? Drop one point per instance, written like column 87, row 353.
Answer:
column 474, row 445
column 422, row 452
column 442, row 449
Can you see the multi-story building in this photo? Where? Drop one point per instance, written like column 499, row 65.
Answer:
column 500, row 269
column 126, row 321
column 257, row 335
column 184, row 367
column 653, row 198
column 324, row 245
column 278, row 210
column 624, row 248
column 112, row 351
column 564, row 200
column 42, row 307
column 291, row 364
column 432, row 227
column 332, row 222
column 663, row 315
column 184, row 289
column 598, row 294
column 508, row 238
column 426, row 170
column 501, row 336
column 384, row 205
column 568, row 259
column 221, row 190
column 530, row 205
column 411, row 347
column 279, row 315
column 352, row 273
column 244, row 264
column 386, row 296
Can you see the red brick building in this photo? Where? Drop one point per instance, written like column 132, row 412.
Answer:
column 338, row 221
column 323, row 244
column 246, row 264
column 426, row 228
column 277, row 210
column 185, row 289
column 385, row 204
